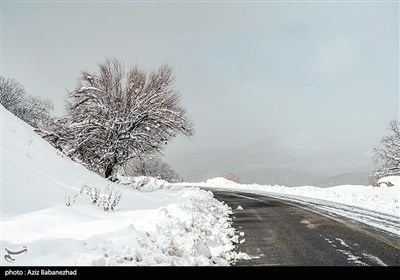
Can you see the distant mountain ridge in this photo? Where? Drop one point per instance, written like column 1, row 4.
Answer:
column 291, row 160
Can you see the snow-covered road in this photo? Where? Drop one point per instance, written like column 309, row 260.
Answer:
column 286, row 232
column 376, row 207
column 382, row 221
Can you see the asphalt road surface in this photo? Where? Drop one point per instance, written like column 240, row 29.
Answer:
column 281, row 233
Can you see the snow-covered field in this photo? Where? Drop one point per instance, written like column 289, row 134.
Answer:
column 155, row 223
column 376, row 206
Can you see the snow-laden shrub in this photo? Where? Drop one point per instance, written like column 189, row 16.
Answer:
column 232, row 177
column 144, row 183
column 151, row 167
column 106, row 200
column 389, row 181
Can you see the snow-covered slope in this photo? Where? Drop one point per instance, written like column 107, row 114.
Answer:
column 174, row 226
column 35, row 175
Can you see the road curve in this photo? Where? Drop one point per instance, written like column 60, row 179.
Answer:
column 281, row 233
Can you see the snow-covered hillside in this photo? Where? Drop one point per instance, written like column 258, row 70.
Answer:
column 162, row 226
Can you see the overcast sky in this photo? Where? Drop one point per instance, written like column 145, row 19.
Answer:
column 245, row 70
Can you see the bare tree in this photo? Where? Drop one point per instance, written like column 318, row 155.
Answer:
column 31, row 109
column 35, row 111
column 113, row 116
column 388, row 153
column 153, row 167
column 11, row 93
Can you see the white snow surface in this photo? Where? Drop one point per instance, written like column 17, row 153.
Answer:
column 162, row 225
column 379, row 199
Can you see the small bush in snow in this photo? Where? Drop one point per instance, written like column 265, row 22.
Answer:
column 94, row 193
column 384, row 184
column 107, row 200
column 143, row 182
column 232, row 177
column 151, row 167
column 68, row 201
column 110, row 199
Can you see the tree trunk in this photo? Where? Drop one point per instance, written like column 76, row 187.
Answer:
column 110, row 167
column 109, row 170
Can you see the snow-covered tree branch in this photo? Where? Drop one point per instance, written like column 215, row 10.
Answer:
column 153, row 167
column 31, row 109
column 11, row 93
column 389, row 153
column 113, row 116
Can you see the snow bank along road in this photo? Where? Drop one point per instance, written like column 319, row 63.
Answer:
column 279, row 232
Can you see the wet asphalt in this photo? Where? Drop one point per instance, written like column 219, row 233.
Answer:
column 277, row 233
